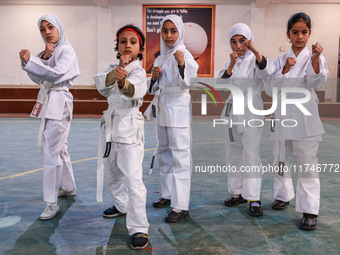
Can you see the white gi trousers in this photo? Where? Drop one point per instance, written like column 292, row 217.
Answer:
column 124, row 174
column 174, row 161
column 244, row 154
column 57, row 167
column 308, row 183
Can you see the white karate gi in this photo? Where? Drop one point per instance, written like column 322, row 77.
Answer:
column 303, row 140
column 173, row 118
column 56, row 74
column 243, row 141
column 123, row 167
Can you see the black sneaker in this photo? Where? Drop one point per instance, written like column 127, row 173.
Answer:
column 233, row 201
column 112, row 212
column 255, row 210
column 139, row 241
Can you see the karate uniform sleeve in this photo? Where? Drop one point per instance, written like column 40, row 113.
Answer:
column 276, row 79
column 135, row 86
column 35, row 78
column 264, row 69
column 64, row 69
column 222, row 74
column 152, row 87
column 316, row 80
column 190, row 71
column 223, row 77
column 100, row 79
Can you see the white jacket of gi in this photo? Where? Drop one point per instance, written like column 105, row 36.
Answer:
column 301, row 75
column 246, row 74
column 172, row 91
column 124, row 125
column 58, row 71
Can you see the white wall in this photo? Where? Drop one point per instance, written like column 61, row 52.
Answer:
column 19, row 29
column 92, row 29
column 325, row 30
column 225, row 18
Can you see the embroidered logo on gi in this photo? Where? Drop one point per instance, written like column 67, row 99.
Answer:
column 228, row 110
column 272, row 127
column 231, row 137
column 36, row 109
column 281, row 166
column 108, row 149
column 153, row 110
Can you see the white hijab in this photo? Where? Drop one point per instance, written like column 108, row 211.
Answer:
column 179, row 44
column 55, row 21
column 241, row 29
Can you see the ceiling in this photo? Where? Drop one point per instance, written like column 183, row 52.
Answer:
column 111, row 2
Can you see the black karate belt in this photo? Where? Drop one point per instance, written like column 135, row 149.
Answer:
column 152, row 161
column 272, row 124
column 228, row 110
column 281, row 166
column 153, row 110
column 231, row 137
column 107, row 150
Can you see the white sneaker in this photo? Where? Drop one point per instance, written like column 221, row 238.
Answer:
column 64, row 193
column 49, row 212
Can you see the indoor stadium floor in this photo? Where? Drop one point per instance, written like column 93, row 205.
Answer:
column 211, row 227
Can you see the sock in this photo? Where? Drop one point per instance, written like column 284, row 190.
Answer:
column 236, row 195
column 255, row 204
column 177, row 210
column 53, row 204
column 309, row 216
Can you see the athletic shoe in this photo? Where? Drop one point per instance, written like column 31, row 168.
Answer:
column 64, row 193
column 49, row 212
column 139, row 241
column 112, row 212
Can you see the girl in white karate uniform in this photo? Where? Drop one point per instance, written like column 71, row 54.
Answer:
column 170, row 83
column 124, row 85
column 246, row 69
column 298, row 68
column 55, row 68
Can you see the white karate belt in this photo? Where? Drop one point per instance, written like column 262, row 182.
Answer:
column 106, row 120
column 39, row 109
column 152, row 114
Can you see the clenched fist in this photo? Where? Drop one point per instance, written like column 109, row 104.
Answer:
column 179, row 56
column 24, row 55
column 156, row 72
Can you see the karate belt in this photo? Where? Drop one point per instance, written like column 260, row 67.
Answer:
column 228, row 115
column 39, row 109
column 106, row 120
column 279, row 147
column 152, row 110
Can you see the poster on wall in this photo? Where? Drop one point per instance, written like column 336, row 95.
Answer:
column 338, row 90
column 199, row 24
